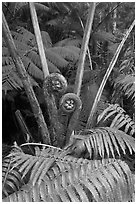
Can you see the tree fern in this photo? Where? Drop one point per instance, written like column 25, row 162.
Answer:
column 59, row 178
column 119, row 119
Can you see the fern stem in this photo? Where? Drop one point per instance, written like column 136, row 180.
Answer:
column 111, row 66
column 26, row 133
column 39, row 144
column 83, row 51
column 107, row 16
column 25, row 81
column 39, row 39
column 89, row 56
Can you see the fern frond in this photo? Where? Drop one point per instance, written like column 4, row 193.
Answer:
column 120, row 118
column 19, row 6
column 21, row 46
column 69, row 42
column 56, row 59
column 102, row 142
column 6, row 60
column 24, row 36
column 46, row 39
column 126, row 83
column 67, row 53
column 5, row 52
column 104, row 36
column 128, row 63
column 32, row 69
column 11, row 79
column 79, row 180
column 11, row 178
column 35, row 58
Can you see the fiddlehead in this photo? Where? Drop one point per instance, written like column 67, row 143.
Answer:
column 70, row 104
column 54, row 85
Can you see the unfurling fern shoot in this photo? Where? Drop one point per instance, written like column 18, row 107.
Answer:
column 70, row 104
column 54, row 85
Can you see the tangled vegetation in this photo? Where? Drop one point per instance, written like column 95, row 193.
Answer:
column 68, row 102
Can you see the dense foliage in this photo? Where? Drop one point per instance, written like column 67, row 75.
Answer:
column 98, row 163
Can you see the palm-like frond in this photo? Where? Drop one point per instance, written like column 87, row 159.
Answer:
column 11, row 79
column 102, row 142
column 128, row 63
column 126, row 83
column 56, row 176
column 11, row 178
column 119, row 118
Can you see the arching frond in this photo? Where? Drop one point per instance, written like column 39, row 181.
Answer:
column 32, row 69
column 11, row 79
column 119, row 118
column 128, row 63
column 126, row 83
column 35, row 58
column 67, row 53
column 69, row 42
column 6, row 60
column 102, row 142
column 11, row 178
column 19, row 6
column 56, row 59
column 104, row 36
column 46, row 39
column 24, row 36
column 58, row 177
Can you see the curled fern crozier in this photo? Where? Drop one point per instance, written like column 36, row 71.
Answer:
column 55, row 82
column 70, row 102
